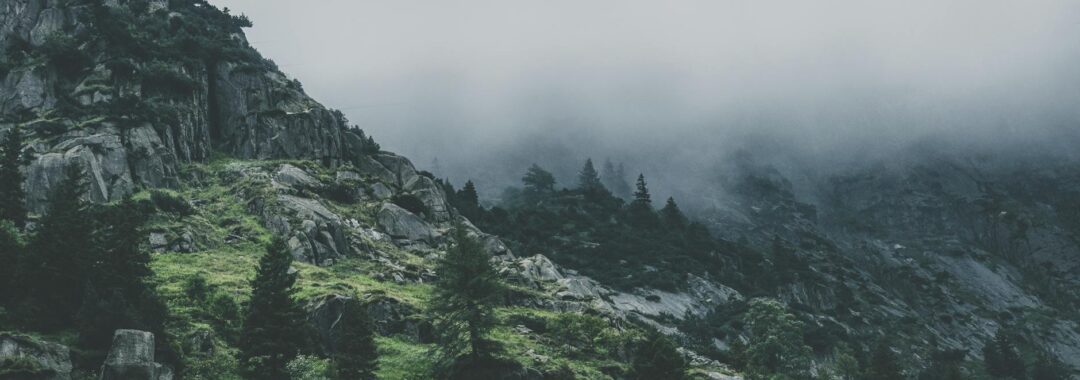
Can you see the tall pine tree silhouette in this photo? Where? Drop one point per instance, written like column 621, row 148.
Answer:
column 588, row 178
column 355, row 355
column 465, row 295
column 273, row 332
column 56, row 269
column 12, row 195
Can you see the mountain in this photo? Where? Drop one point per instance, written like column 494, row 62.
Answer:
column 792, row 271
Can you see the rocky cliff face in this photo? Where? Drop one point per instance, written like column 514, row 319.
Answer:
column 942, row 245
column 132, row 120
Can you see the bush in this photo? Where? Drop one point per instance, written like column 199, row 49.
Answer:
column 22, row 368
column 412, row 203
column 171, row 203
column 306, row 367
column 64, row 54
column 196, row 288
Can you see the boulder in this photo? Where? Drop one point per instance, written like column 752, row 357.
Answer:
column 131, row 357
column 388, row 316
column 402, row 169
column 371, row 168
column 381, row 191
column 536, row 270
column 53, row 360
column 402, row 224
column 295, row 177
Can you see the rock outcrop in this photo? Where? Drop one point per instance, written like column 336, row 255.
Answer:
column 51, row 361
column 131, row 357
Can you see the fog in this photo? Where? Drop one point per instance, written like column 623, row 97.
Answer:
column 673, row 87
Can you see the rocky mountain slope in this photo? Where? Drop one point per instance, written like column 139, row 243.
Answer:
column 165, row 102
column 935, row 245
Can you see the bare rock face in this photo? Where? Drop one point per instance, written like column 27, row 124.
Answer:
column 131, row 357
column 402, row 224
column 388, row 316
column 54, row 360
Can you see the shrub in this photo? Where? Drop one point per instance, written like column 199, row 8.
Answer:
column 171, row 203
column 196, row 288
column 22, row 368
column 63, row 53
column 306, row 367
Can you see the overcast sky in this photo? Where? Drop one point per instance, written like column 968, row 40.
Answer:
column 453, row 79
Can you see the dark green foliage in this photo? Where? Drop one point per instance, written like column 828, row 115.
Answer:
column 64, row 54
column 589, row 179
column 10, row 253
column 465, row 294
column 196, row 288
column 577, row 332
column 169, row 202
column 1002, row 359
column 410, row 202
column 617, row 252
column 657, row 357
column 883, row 363
column 55, row 271
column 355, row 355
column 640, row 213
column 1048, row 368
column 12, row 194
column 23, row 368
column 538, row 181
column 776, row 345
column 672, row 217
column 273, row 331
column 121, row 264
column 161, row 78
column 945, row 365
column 467, row 202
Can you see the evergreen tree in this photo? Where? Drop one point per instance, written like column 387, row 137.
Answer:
column 640, row 211
column 945, row 365
column 614, row 179
column 641, row 195
column 10, row 251
column 883, row 363
column 1048, row 368
column 1001, row 358
column 467, row 290
column 12, row 195
column 55, row 271
column 776, row 345
column 274, row 323
column 538, row 181
column 468, row 202
column 355, row 355
column 672, row 216
column 657, row 357
column 846, row 365
column 588, row 178
column 121, row 264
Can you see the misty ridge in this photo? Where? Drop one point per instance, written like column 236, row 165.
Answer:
column 673, row 91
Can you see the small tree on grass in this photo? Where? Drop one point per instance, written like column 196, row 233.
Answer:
column 776, row 342
column 467, row 290
column 273, row 331
column 355, row 355
column 657, row 357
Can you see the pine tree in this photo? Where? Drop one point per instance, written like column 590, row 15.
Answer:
column 121, row 263
column 588, row 178
column 672, row 216
column 273, row 329
column 537, row 180
column 1048, row 368
column 614, row 179
column 883, row 363
column 1002, row 359
column 466, row 292
column 12, row 195
column 468, row 202
column 55, row 272
column 657, row 357
column 641, row 195
column 640, row 211
column 355, row 355
column 10, row 254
